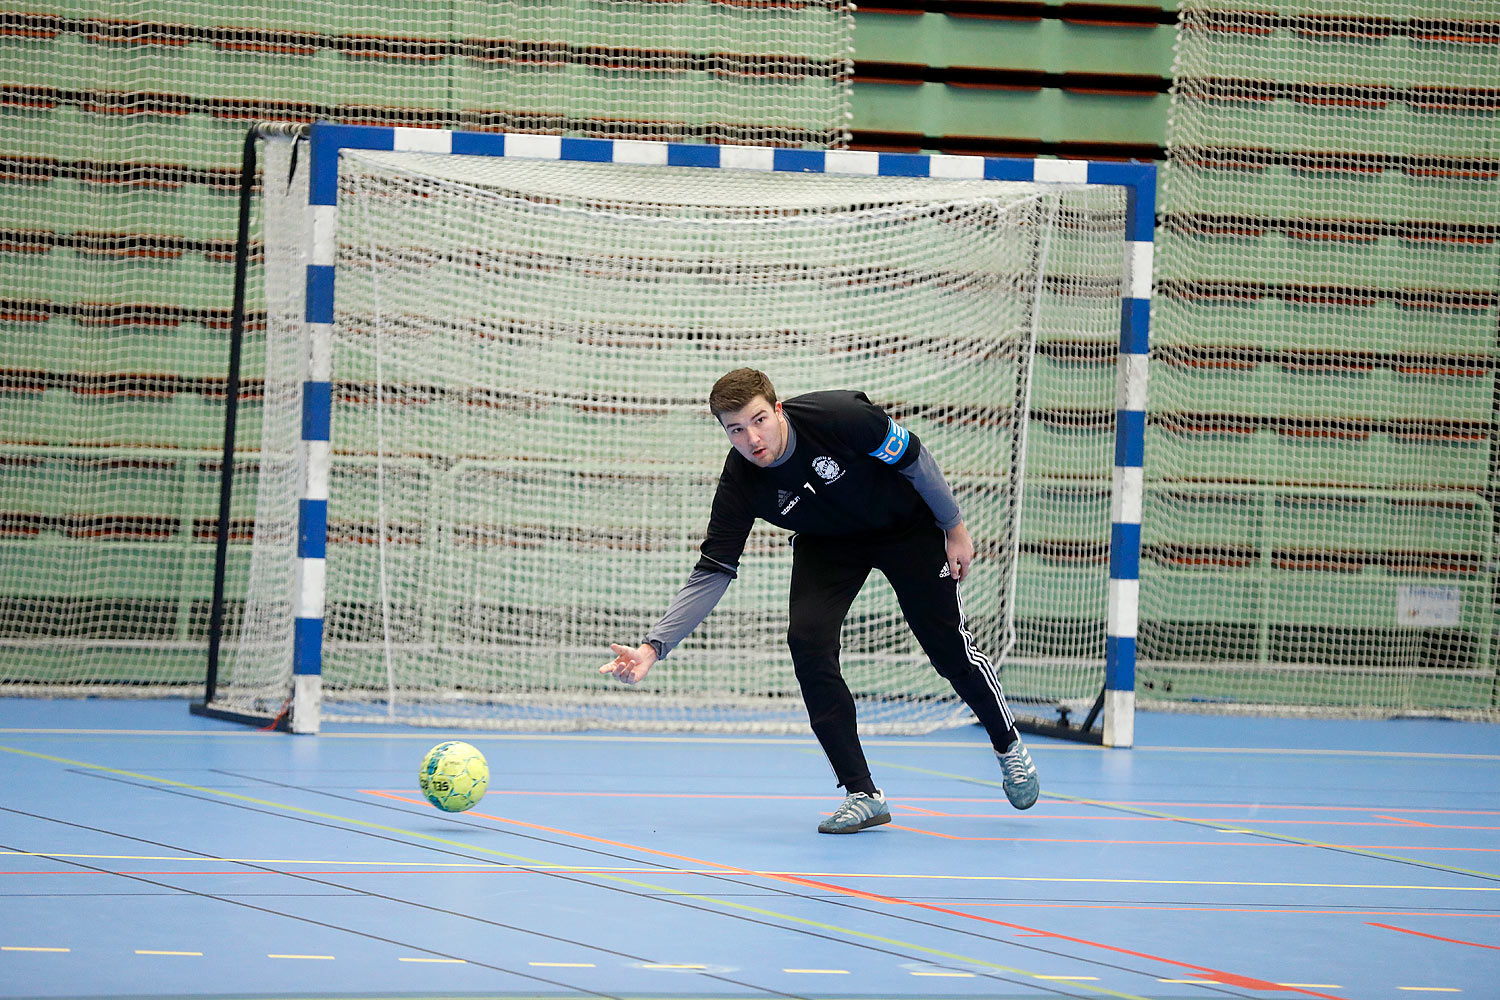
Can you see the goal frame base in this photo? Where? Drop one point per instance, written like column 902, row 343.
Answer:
column 1061, row 728
column 281, row 723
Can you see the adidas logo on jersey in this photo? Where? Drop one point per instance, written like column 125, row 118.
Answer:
column 782, row 496
column 943, row 573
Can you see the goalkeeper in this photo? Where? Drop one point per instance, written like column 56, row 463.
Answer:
column 859, row 492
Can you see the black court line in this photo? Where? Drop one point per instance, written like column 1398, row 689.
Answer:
column 263, row 909
column 351, row 891
column 1247, row 831
column 759, row 889
column 579, row 880
column 576, row 879
column 347, row 890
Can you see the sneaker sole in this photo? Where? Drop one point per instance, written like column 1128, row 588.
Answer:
column 1027, row 805
column 872, row 821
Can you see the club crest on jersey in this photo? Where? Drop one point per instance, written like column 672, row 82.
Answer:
column 826, row 468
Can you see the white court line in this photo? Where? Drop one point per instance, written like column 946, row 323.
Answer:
column 761, row 741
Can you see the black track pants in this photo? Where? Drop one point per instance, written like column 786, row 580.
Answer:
column 827, row 574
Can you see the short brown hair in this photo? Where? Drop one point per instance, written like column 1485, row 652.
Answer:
column 734, row 391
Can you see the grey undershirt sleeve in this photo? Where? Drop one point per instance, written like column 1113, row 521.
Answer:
column 698, row 596
column 933, row 488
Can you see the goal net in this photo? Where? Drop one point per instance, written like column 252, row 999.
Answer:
column 1323, row 464
column 121, row 129
column 523, row 460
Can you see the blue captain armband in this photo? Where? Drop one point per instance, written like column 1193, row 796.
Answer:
column 894, row 445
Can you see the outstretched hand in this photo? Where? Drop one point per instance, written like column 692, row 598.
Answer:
column 630, row 665
column 960, row 551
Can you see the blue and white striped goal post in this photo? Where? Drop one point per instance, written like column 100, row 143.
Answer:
column 328, row 140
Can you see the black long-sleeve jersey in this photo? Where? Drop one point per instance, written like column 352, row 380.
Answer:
column 842, row 477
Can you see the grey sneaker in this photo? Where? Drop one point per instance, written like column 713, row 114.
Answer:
column 857, row 812
column 1022, row 786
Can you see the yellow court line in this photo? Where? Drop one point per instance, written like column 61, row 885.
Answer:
column 723, row 904
column 669, row 965
column 18, row 947
column 1429, row 989
column 480, row 866
column 563, row 965
column 1105, row 804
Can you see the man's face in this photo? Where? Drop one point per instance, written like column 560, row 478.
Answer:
column 757, row 432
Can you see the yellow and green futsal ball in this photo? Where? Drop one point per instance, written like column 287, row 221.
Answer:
column 454, row 776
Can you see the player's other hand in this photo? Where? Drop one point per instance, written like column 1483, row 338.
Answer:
column 960, row 551
column 630, row 665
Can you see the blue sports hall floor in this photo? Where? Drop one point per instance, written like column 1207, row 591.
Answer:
column 148, row 852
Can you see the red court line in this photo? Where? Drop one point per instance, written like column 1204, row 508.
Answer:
column 1217, row 975
column 1233, row 909
column 1267, row 806
column 919, row 811
column 1171, row 843
column 1259, row 821
column 473, row 872
column 1257, row 806
column 657, row 795
column 293, row 872
column 1263, row 806
column 1082, row 840
column 1434, row 937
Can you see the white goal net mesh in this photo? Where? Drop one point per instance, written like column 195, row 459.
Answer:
column 1321, row 527
column 523, row 457
column 121, row 127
